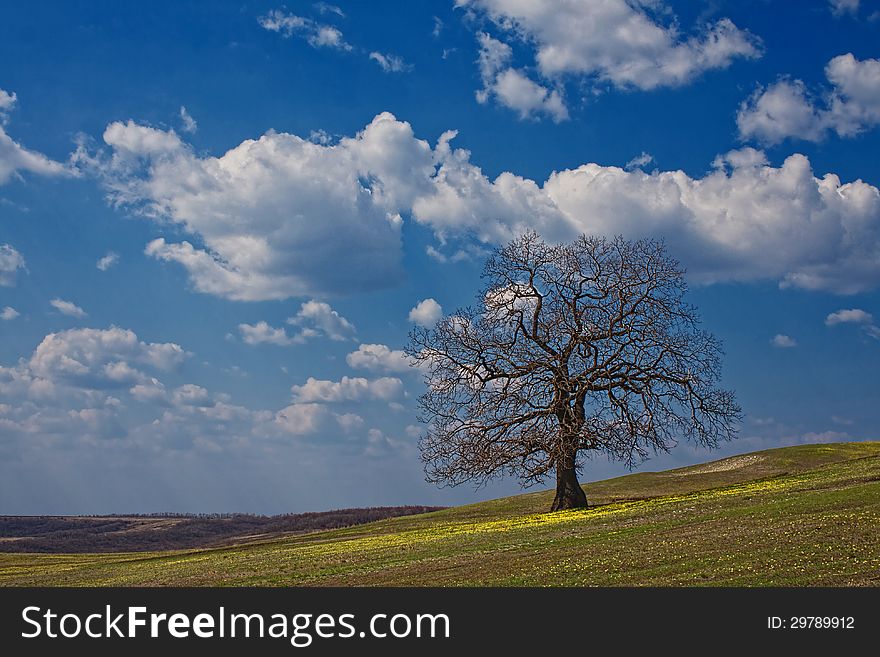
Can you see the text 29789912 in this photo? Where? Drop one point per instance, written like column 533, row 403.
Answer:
column 811, row 623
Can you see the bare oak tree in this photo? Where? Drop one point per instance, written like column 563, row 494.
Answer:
column 585, row 347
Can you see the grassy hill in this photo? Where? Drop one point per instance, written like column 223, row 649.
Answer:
column 806, row 515
column 166, row 532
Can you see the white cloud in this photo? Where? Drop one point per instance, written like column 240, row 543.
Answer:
column 426, row 313
column 316, row 34
column 10, row 262
column 100, row 358
column 282, row 22
column 7, row 102
column 327, row 36
column 849, row 316
column 105, row 262
column 512, row 87
column 68, row 308
column 378, row 443
column 279, row 216
column 190, row 394
column 616, row 41
column 315, row 319
column 64, row 387
column 841, row 7
column 320, row 137
column 823, row 234
column 282, row 216
column 131, row 141
column 188, row 123
column 14, row 157
column 262, row 333
column 855, row 101
column 379, row 358
column 80, row 385
column 466, row 252
column 639, row 161
column 390, row 63
column 150, row 391
column 8, row 313
column 347, row 389
column 326, row 8
column 855, row 316
column 786, row 109
column 783, row 341
column 301, row 418
column 350, row 422
column 318, row 318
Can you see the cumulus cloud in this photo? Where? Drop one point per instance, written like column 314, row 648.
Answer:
column 380, row 444
column 8, row 313
column 348, row 389
column 824, row 234
column 10, row 262
column 282, row 216
column 100, row 357
column 262, row 333
column 68, row 308
column 187, row 122
column 72, row 383
column 350, row 421
column 14, row 157
column 379, row 358
column 314, row 319
column 316, row 34
column 86, row 386
column 304, row 417
column 616, row 42
column 786, row 109
column 855, row 316
column 79, row 384
column 151, row 390
column 390, row 63
column 782, row 341
column 191, row 394
column 782, row 110
column 426, row 313
column 275, row 217
column 105, row 262
column 849, row 316
column 512, row 87
column 318, row 318
column 301, row 419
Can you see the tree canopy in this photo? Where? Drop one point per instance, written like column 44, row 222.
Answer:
column 575, row 348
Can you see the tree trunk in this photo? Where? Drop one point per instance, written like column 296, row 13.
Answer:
column 569, row 494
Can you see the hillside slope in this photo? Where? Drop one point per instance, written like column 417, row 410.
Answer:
column 806, row 515
column 58, row 534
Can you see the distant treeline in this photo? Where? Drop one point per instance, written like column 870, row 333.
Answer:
column 173, row 531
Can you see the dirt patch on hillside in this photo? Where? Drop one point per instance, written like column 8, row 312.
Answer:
column 725, row 465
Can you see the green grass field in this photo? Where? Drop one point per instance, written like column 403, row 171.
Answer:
column 796, row 516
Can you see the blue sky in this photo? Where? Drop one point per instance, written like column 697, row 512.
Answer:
column 219, row 221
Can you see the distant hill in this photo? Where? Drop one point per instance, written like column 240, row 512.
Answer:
column 798, row 516
column 173, row 531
